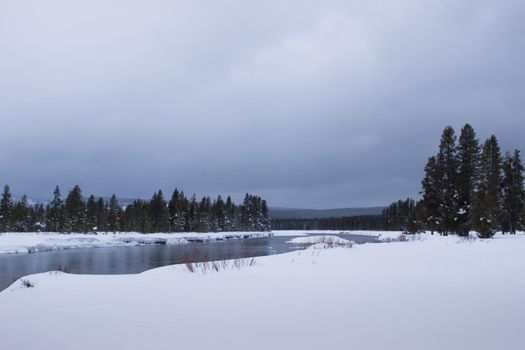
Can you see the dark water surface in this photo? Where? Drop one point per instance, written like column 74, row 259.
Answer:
column 136, row 259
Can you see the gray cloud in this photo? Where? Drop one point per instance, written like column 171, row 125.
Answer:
column 310, row 104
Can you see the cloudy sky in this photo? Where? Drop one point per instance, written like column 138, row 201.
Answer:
column 315, row 104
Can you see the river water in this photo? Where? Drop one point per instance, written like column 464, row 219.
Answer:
column 136, row 259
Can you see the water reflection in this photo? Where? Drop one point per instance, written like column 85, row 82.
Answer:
column 136, row 259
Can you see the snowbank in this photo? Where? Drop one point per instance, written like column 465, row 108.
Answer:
column 427, row 293
column 43, row 241
column 331, row 240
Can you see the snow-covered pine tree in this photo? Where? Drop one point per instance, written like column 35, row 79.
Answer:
column 468, row 154
column 55, row 213
column 448, row 163
column 219, row 215
column 6, row 206
column 191, row 215
column 159, row 215
column 432, row 195
column 91, row 214
column 21, row 215
column 38, row 218
column 245, row 218
column 513, row 194
column 75, row 211
column 203, row 215
column 229, row 219
column 177, row 209
column 101, row 215
column 266, row 221
column 114, row 213
column 487, row 207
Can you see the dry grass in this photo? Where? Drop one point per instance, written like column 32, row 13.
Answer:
column 219, row 265
column 27, row 283
column 196, row 261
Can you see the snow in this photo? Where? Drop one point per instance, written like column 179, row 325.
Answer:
column 31, row 242
column 330, row 240
column 431, row 292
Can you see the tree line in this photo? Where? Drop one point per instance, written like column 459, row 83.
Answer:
column 359, row 222
column 467, row 186
column 178, row 214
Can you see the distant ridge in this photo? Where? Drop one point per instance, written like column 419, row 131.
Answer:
column 292, row 213
column 274, row 212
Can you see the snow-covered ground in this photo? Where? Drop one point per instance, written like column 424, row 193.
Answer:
column 427, row 293
column 328, row 239
column 44, row 241
column 30, row 242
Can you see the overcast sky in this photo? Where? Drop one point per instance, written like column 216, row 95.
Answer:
column 313, row 104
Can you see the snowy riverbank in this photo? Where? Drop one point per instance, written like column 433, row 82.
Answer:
column 30, row 242
column 431, row 292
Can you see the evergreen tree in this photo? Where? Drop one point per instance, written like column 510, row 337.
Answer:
column 432, row 195
column 177, row 208
column 6, row 206
column 159, row 213
column 245, row 218
column 113, row 215
column 38, row 218
column 229, row 218
column 398, row 215
column 266, row 223
column 101, row 215
column 75, row 215
column 191, row 216
column 486, row 212
column 513, row 194
column 415, row 219
column 219, row 214
column 468, row 158
column 203, row 215
column 447, row 162
column 21, row 215
column 91, row 214
column 55, row 213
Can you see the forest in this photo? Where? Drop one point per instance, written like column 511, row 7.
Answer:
column 178, row 214
column 468, row 186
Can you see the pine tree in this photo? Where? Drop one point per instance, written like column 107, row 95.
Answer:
column 191, row 216
column 203, row 215
column 229, row 219
column 38, row 218
column 265, row 220
column 447, row 162
column 219, row 215
column 101, row 215
column 75, row 211
column 113, row 214
column 21, row 215
column 55, row 213
column 486, row 212
column 245, row 218
column 468, row 157
column 159, row 213
column 513, row 194
column 177, row 208
column 91, row 214
column 6, row 206
column 432, row 195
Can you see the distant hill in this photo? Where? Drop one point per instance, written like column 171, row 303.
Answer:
column 274, row 213
column 34, row 201
column 292, row 213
